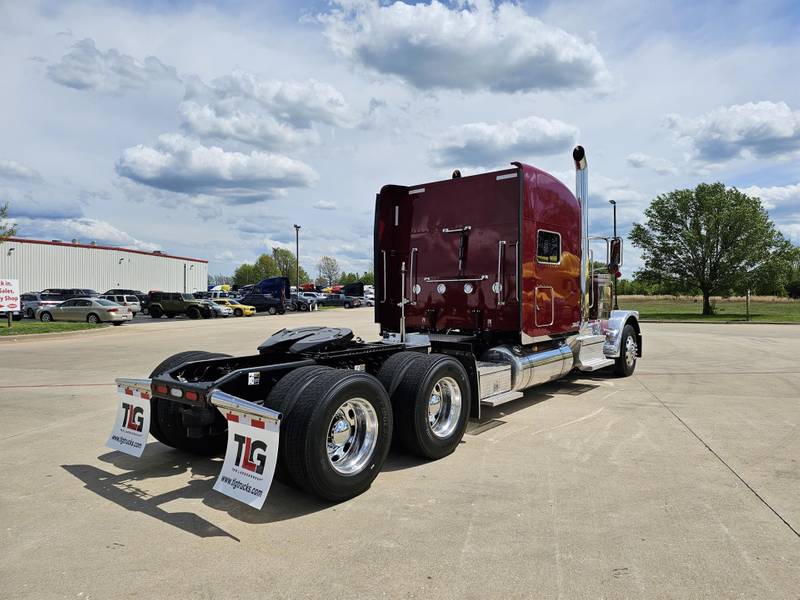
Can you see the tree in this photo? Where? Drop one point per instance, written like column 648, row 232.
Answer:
column 710, row 239
column 328, row 268
column 220, row 279
column 265, row 266
column 287, row 265
column 7, row 228
column 346, row 278
column 368, row 278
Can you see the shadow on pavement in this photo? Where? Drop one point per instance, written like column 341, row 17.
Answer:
column 124, row 489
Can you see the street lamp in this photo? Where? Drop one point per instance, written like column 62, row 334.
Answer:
column 297, row 258
column 616, row 297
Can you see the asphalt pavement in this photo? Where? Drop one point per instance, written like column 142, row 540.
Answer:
column 682, row 481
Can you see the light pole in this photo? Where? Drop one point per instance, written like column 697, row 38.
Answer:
column 616, row 297
column 297, row 258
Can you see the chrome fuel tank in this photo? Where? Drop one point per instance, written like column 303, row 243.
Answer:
column 529, row 368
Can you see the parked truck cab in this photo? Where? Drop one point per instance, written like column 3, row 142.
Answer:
column 484, row 288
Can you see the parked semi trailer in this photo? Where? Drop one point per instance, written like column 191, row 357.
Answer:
column 484, row 288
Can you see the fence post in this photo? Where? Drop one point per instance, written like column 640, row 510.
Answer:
column 748, row 305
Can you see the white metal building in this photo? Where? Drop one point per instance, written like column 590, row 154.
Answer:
column 40, row 264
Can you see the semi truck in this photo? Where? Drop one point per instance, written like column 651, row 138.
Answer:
column 485, row 286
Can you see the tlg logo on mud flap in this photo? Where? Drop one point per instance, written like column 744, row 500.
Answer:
column 133, row 418
column 251, row 454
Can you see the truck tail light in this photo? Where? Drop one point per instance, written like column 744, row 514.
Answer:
column 191, row 396
column 161, row 389
column 112, row 310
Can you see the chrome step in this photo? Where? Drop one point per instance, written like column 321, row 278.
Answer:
column 498, row 399
column 595, row 364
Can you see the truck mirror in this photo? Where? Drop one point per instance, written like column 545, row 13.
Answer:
column 615, row 257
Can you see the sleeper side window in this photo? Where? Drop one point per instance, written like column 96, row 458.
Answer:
column 548, row 247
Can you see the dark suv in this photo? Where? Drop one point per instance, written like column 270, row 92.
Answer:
column 172, row 304
column 263, row 303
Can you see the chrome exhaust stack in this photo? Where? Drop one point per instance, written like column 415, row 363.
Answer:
column 582, row 194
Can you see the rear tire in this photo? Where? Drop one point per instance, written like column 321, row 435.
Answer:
column 166, row 423
column 431, row 405
column 45, row 317
column 282, row 398
column 625, row 364
column 338, row 434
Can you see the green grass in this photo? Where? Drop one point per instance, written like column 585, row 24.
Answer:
column 689, row 309
column 27, row 327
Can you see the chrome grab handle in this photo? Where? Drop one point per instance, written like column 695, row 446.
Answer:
column 591, row 278
column 455, row 279
column 412, row 275
column 500, row 292
column 457, row 229
column 536, row 306
column 383, row 254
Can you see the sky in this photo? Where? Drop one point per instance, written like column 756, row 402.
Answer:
column 208, row 129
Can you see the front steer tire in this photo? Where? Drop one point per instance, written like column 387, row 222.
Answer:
column 166, row 424
column 625, row 364
column 331, row 399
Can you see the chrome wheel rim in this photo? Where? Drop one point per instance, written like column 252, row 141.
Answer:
column 92, row 319
column 46, row 317
column 630, row 351
column 444, row 407
column 352, row 436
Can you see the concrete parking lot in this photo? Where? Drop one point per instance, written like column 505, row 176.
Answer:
column 680, row 482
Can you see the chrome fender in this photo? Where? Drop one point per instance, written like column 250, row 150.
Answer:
column 616, row 323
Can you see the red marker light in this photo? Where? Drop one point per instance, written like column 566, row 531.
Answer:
column 162, row 389
column 191, row 396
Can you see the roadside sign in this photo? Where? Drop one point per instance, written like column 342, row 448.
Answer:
column 132, row 425
column 250, row 459
column 9, row 295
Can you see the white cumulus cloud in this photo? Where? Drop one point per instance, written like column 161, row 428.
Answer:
column 493, row 144
column 298, row 103
column 180, row 164
column 779, row 196
column 260, row 130
column 11, row 169
column 471, row 46
column 83, row 229
column 85, row 67
column 662, row 166
column 761, row 129
column 325, row 205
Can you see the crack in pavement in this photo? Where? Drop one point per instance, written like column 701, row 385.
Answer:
column 718, row 457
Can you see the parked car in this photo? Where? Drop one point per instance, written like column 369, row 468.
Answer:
column 32, row 301
column 89, row 310
column 218, row 310
column 340, row 300
column 129, row 292
column 172, row 304
column 131, row 301
column 239, row 310
column 264, row 303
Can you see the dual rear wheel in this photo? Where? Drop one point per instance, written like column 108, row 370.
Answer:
column 338, row 424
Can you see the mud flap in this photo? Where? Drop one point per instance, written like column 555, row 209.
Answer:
column 252, row 452
column 132, row 425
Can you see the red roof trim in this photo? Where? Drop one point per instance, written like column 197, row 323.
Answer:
column 71, row 245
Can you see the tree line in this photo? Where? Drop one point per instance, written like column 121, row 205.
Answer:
column 283, row 263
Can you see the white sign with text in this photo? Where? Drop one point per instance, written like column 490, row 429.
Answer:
column 132, row 425
column 250, row 459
